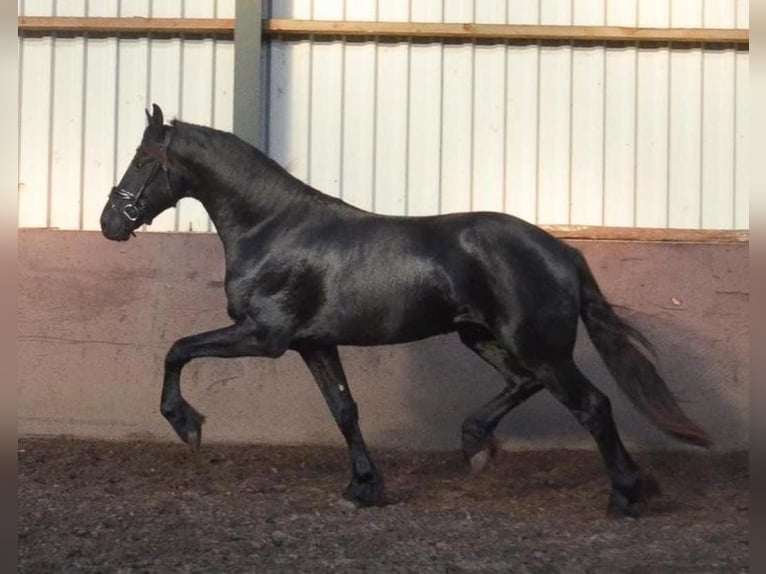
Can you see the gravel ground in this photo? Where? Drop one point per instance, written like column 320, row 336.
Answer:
column 156, row 507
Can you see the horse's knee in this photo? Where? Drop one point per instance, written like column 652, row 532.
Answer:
column 175, row 357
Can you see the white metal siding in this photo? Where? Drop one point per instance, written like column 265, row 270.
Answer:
column 82, row 106
column 622, row 136
column 618, row 135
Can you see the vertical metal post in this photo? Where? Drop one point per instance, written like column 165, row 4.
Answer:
column 247, row 74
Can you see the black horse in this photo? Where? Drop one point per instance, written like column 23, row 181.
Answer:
column 307, row 272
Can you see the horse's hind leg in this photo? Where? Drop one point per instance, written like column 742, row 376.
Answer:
column 591, row 407
column 478, row 442
column 366, row 486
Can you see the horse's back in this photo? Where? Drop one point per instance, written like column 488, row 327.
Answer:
column 413, row 277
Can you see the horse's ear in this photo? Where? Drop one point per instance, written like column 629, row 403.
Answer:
column 156, row 121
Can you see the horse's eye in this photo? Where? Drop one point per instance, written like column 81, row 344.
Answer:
column 139, row 164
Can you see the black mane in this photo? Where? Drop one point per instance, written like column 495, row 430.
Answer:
column 243, row 167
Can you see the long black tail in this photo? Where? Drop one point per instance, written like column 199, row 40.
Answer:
column 636, row 375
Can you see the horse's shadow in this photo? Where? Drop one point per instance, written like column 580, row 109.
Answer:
column 440, row 382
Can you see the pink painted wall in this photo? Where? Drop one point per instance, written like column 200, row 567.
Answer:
column 96, row 318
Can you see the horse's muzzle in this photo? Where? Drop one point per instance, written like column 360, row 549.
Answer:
column 114, row 227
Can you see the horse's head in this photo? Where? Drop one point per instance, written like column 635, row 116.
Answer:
column 145, row 189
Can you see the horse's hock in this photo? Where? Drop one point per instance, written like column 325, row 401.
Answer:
column 95, row 339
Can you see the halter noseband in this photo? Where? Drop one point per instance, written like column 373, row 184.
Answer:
column 131, row 210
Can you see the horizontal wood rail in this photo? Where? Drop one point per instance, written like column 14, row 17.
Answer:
column 425, row 31
column 129, row 25
column 598, row 233
column 503, row 32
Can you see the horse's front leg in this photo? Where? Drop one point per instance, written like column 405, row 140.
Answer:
column 233, row 341
column 366, row 486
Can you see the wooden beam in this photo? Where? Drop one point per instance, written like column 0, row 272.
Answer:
column 426, row 31
column 503, row 32
column 648, row 234
column 132, row 25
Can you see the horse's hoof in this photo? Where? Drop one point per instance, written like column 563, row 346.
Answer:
column 631, row 503
column 187, row 423
column 480, row 460
column 366, row 493
column 624, row 509
column 194, row 438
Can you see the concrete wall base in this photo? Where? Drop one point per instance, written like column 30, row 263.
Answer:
column 96, row 318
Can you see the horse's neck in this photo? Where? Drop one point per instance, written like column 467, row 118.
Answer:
column 240, row 189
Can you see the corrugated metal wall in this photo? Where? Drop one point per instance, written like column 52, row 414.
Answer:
column 82, row 106
column 619, row 136
column 651, row 137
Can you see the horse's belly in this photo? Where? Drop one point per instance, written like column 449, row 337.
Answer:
column 382, row 319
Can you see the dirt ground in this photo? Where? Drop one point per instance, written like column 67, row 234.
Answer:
column 155, row 507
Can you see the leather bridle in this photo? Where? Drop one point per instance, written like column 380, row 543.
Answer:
column 131, row 210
